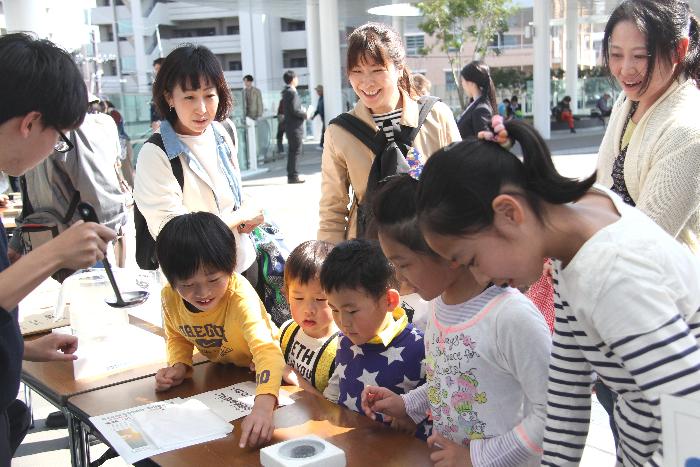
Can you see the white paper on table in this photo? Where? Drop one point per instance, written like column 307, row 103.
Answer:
column 37, row 311
column 124, row 433
column 236, row 401
column 125, row 347
column 181, row 424
column 680, row 425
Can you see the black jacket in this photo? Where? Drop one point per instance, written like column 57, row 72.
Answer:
column 293, row 115
column 476, row 118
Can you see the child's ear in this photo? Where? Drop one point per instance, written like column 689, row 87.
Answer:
column 508, row 210
column 392, row 299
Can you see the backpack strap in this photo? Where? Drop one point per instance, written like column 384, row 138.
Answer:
column 28, row 209
column 287, row 336
column 426, row 105
column 375, row 141
column 231, row 132
column 175, row 162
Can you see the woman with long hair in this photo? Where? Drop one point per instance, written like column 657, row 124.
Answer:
column 377, row 71
column 476, row 81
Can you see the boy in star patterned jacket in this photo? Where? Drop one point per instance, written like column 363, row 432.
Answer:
column 378, row 346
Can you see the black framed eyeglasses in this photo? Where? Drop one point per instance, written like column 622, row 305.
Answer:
column 63, row 145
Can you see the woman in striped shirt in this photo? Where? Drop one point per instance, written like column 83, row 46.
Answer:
column 626, row 293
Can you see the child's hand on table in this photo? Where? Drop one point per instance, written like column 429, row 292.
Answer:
column 257, row 427
column 448, row 453
column 377, row 400
column 170, row 376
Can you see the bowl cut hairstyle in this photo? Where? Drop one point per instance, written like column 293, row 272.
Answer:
column 359, row 265
column 305, row 261
column 38, row 76
column 190, row 67
column 194, row 240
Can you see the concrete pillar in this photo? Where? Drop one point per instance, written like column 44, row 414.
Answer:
column 542, row 64
column 26, row 16
column 255, row 49
column 142, row 66
column 330, row 50
column 313, row 55
column 571, row 49
column 398, row 22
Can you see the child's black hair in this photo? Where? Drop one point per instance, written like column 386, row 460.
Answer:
column 305, row 261
column 194, row 240
column 394, row 210
column 459, row 182
column 359, row 265
column 664, row 23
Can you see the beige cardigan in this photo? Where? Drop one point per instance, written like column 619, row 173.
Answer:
column 662, row 165
column 346, row 163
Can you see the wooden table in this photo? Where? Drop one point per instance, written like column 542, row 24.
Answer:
column 55, row 382
column 365, row 442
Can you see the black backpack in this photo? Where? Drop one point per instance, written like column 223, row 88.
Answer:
column 145, row 243
column 390, row 158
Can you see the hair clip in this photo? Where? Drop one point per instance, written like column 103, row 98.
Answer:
column 498, row 135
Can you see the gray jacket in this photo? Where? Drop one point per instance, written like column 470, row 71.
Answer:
column 87, row 168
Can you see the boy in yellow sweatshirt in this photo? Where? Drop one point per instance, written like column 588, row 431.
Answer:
column 209, row 306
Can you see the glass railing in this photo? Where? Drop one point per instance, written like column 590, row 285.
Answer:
column 589, row 91
column 136, row 111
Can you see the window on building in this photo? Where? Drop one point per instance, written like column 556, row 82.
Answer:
column 287, row 24
column 109, row 68
column 234, row 30
column 106, row 32
column 235, row 65
column 414, row 42
column 510, row 40
column 294, row 58
column 194, row 32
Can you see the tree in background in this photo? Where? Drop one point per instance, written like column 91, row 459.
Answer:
column 455, row 23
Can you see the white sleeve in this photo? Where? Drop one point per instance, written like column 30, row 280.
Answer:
column 156, row 191
column 416, row 402
column 670, row 193
column 524, row 345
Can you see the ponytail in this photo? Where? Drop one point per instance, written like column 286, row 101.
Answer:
column 460, row 182
column 692, row 57
column 491, row 93
column 540, row 176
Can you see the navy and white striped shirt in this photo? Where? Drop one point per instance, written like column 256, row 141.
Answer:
column 626, row 312
column 386, row 122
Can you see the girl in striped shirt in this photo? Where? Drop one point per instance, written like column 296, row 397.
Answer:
column 626, row 293
column 487, row 349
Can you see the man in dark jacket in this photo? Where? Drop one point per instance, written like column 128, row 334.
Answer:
column 294, row 118
column 320, row 112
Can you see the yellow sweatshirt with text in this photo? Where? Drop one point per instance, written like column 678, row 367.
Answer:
column 238, row 330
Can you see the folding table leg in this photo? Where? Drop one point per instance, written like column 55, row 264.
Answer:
column 28, row 401
column 79, row 449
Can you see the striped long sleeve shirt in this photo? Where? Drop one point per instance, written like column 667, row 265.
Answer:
column 626, row 312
